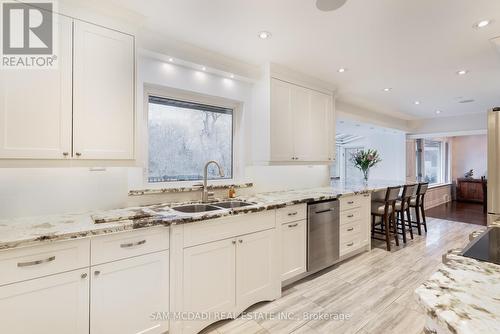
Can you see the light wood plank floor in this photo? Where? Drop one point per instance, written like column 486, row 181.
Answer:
column 375, row 288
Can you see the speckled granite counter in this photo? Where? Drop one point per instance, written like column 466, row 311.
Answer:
column 31, row 230
column 463, row 296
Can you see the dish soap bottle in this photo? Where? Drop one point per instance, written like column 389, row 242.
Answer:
column 232, row 192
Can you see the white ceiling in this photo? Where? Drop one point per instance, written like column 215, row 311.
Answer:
column 412, row 46
column 355, row 128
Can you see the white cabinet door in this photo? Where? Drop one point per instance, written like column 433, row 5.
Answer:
column 103, row 115
column 282, row 131
column 52, row 304
column 35, row 106
column 321, row 123
column 293, row 249
column 257, row 272
column 209, row 281
column 126, row 293
column 301, row 114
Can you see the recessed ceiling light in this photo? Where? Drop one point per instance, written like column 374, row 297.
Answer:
column 462, row 72
column 341, row 70
column 482, row 24
column 265, row 35
column 170, row 59
column 387, row 89
column 204, row 68
column 231, row 76
column 438, row 112
column 417, row 102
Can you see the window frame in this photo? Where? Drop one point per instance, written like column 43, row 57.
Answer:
column 445, row 157
column 200, row 98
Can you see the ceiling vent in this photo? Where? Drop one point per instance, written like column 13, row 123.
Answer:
column 467, row 101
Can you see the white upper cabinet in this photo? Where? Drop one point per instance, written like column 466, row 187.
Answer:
column 35, row 106
column 281, row 117
column 103, row 123
column 83, row 109
column 302, row 124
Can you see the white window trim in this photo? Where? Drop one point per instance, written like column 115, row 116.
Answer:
column 183, row 95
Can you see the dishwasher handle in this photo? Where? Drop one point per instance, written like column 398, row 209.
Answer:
column 323, row 211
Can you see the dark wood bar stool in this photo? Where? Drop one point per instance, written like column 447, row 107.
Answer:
column 402, row 208
column 386, row 211
column 417, row 203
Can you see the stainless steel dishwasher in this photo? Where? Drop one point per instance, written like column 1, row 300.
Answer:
column 323, row 220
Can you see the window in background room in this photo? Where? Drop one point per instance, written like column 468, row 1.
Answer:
column 433, row 161
column 183, row 136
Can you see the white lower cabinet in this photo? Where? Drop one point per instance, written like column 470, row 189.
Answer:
column 126, row 295
column 255, row 268
column 293, row 249
column 48, row 305
column 225, row 277
column 209, row 281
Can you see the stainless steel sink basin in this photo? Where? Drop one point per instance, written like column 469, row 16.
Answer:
column 196, row 208
column 232, row 204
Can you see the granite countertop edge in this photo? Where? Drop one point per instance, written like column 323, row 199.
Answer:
column 463, row 295
column 28, row 231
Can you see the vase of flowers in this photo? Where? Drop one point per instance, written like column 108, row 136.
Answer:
column 364, row 160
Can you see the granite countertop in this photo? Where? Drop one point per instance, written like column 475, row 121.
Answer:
column 155, row 191
column 463, row 296
column 32, row 230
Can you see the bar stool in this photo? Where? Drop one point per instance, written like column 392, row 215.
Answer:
column 386, row 210
column 402, row 207
column 417, row 203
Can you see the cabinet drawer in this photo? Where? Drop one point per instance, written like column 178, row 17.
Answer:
column 291, row 213
column 350, row 216
column 123, row 245
column 348, row 231
column 350, row 202
column 227, row 227
column 352, row 243
column 32, row 262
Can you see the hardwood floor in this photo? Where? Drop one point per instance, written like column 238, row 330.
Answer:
column 375, row 289
column 471, row 213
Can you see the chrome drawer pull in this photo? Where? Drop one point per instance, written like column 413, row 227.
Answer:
column 293, row 225
column 350, row 229
column 350, row 202
column 323, row 211
column 350, row 244
column 350, row 216
column 293, row 213
column 132, row 244
column 34, row 263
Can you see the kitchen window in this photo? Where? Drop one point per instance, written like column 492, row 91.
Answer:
column 433, row 161
column 184, row 135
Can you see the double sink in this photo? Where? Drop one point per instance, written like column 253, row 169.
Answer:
column 199, row 208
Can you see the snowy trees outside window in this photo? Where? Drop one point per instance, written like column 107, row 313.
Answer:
column 183, row 136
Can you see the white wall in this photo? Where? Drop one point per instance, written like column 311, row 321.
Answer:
column 392, row 150
column 449, row 126
column 469, row 152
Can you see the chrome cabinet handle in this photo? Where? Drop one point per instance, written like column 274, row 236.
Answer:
column 293, row 213
column 78, row 154
column 37, row 262
column 83, row 276
column 97, row 272
column 350, row 229
column 293, row 225
column 234, row 242
column 65, row 154
column 350, row 216
column 132, row 244
column 350, row 244
column 240, row 241
column 350, row 202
